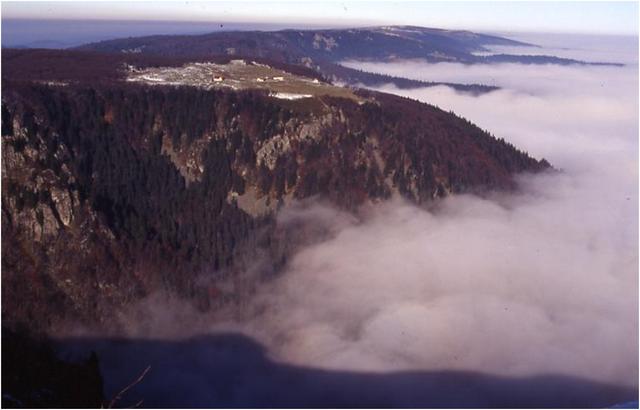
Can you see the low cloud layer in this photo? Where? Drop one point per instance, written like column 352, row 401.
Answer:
column 543, row 281
column 585, row 47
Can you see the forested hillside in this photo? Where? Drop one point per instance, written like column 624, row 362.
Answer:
column 112, row 191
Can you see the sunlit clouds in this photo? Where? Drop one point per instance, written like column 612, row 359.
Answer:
column 541, row 281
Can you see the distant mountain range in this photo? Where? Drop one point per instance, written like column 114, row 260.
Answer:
column 323, row 50
column 376, row 43
column 51, row 44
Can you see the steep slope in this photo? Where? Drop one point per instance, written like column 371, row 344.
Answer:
column 113, row 190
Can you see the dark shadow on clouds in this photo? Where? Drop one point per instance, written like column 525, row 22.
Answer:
column 232, row 370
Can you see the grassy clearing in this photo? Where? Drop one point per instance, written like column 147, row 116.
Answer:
column 240, row 75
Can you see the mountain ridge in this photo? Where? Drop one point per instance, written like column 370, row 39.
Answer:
column 323, row 50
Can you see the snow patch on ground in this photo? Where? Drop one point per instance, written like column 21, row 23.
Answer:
column 290, row 96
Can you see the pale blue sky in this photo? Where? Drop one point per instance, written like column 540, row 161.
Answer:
column 548, row 16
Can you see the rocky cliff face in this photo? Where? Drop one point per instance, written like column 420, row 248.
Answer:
column 112, row 192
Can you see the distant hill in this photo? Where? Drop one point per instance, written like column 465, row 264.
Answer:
column 323, row 50
column 295, row 46
column 52, row 44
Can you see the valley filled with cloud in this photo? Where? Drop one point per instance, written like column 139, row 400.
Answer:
column 538, row 281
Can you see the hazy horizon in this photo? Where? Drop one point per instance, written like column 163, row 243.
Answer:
column 579, row 17
column 64, row 33
column 67, row 24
